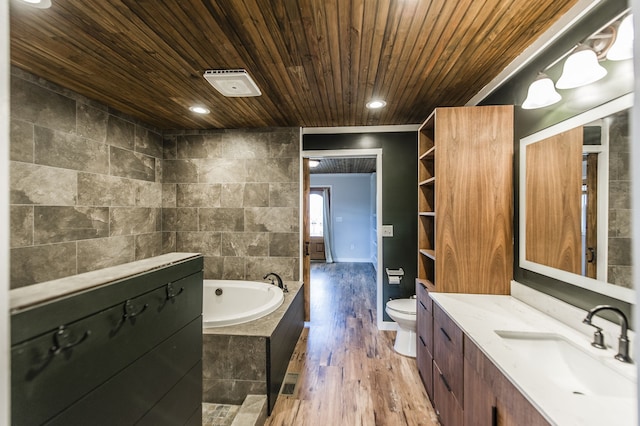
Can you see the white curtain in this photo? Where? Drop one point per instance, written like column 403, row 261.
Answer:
column 327, row 229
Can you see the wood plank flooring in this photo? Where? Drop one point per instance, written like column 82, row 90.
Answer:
column 348, row 371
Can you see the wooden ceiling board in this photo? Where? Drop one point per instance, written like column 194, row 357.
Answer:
column 317, row 62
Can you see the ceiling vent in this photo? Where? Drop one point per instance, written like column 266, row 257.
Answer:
column 232, row 83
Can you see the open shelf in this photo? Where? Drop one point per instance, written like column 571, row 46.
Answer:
column 431, row 254
column 429, row 155
column 430, row 181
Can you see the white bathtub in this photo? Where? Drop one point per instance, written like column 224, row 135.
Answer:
column 239, row 302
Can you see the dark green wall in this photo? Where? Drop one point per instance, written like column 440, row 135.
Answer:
column 574, row 102
column 399, row 198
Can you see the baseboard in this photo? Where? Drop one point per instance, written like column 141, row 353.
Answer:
column 352, row 260
column 388, row 326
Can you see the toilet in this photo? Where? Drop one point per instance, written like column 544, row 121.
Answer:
column 403, row 312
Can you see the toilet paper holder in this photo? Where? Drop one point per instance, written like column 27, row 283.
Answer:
column 394, row 275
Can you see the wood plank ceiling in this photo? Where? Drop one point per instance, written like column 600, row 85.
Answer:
column 344, row 165
column 317, row 62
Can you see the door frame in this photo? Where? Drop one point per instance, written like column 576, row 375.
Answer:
column 356, row 153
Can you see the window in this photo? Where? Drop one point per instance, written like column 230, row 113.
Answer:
column 316, row 207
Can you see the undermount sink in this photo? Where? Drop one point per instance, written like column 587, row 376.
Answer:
column 566, row 365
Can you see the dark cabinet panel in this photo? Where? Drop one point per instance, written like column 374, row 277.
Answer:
column 73, row 366
column 280, row 347
column 130, row 394
column 180, row 403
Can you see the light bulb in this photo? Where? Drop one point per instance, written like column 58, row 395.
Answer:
column 622, row 47
column 581, row 68
column 541, row 93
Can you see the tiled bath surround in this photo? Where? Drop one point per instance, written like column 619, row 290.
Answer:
column 233, row 367
column 233, row 195
column 86, row 189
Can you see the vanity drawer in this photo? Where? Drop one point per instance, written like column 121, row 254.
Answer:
column 448, row 407
column 448, row 351
column 424, row 319
column 424, row 360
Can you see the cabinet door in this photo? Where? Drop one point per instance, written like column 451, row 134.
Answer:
column 513, row 409
column 474, row 248
column 480, row 403
column 490, row 398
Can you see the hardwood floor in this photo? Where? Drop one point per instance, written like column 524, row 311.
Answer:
column 348, row 371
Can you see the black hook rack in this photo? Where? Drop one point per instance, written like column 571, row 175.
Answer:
column 128, row 307
column 61, row 337
column 170, row 291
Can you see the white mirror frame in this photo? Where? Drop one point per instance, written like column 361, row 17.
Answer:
column 598, row 286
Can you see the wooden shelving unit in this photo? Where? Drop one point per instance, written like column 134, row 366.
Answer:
column 465, row 202
column 426, row 203
column 465, row 222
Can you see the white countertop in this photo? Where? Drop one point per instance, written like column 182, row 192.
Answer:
column 480, row 315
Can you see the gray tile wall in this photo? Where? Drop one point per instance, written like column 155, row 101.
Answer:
column 619, row 245
column 86, row 189
column 233, row 195
column 233, row 367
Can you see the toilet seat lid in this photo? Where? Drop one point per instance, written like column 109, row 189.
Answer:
column 406, row 306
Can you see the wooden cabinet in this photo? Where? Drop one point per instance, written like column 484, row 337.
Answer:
column 465, row 241
column 465, row 202
column 467, row 388
column 424, row 345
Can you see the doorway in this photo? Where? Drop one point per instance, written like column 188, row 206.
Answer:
column 319, row 205
column 374, row 222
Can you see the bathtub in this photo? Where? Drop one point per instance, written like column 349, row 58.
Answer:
column 230, row 302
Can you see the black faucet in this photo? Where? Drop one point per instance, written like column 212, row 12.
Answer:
column 277, row 277
column 598, row 338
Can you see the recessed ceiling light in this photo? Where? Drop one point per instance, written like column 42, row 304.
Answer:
column 375, row 104
column 314, row 163
column 40, row 4
column 199, row 109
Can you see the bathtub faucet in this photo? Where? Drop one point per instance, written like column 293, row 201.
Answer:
column 277, row 277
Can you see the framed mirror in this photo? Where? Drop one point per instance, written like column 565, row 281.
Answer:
column 575, row 204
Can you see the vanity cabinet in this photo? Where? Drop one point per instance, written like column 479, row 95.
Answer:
column 465, row 201
column 468, row 389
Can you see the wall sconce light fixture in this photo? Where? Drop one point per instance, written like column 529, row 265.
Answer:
column 581, row 68
column 541, row 93
column 613, row 42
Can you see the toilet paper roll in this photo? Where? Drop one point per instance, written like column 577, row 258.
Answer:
column 394, row 279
